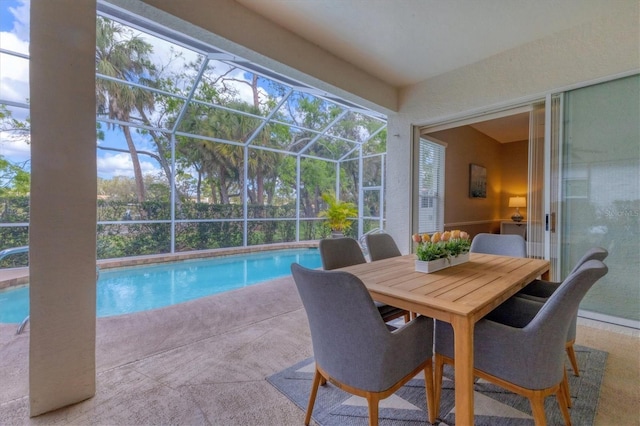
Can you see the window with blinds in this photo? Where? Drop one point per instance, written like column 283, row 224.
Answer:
column 430, row 187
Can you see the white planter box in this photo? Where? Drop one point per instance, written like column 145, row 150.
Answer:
column 431, row 265
column 438, row 264
column 462, row 258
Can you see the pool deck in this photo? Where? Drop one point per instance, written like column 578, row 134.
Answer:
column 10, row 277
column 204, row 362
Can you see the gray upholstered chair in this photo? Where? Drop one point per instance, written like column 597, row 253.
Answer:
column 500, row 244
column 523, row 350
column 541, row 290
column 353, row 348
column 381, row 246
column 341, row 252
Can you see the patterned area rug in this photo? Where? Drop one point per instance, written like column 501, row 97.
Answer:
column 493, row 405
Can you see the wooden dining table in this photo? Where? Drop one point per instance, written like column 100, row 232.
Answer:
column 460, row 295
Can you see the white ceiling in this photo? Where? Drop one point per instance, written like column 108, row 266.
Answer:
column 406, row 41
column 403, row 42
column 512, row 128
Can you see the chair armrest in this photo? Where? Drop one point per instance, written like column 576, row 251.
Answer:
column 539, row 289
column 405, row 348
column 515, row 312
column 414, row 337
column 420, row 327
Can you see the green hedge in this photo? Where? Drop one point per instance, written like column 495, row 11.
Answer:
column 141, row 238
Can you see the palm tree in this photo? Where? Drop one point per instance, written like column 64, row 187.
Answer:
column 125, row 57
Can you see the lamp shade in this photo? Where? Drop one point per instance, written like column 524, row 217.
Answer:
column 517, row 202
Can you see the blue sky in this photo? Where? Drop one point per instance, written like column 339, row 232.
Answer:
column 6, row 16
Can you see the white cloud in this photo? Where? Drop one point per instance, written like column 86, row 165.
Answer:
column 21, row 23
column 11, row 41
column 16, row 150
column 236, row 80
column 120, row 164
column 14, row 79
column 242, row 86
column 169, row 58
column 14, row 71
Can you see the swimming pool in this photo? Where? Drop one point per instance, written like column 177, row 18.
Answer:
column 140, row 288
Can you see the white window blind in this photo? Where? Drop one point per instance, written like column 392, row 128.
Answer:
column 430, row 186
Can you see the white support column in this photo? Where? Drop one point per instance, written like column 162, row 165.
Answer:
column 62, row 236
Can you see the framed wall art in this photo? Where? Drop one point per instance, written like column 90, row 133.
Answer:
column 477, row 181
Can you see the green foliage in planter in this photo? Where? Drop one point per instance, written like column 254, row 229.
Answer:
column 431, row 251
column 338, row 214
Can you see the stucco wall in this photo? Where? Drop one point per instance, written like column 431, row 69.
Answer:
column 606, row 47
column 62, row 233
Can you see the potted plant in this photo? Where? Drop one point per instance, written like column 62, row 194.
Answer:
column 441, row 250
column 338, row 215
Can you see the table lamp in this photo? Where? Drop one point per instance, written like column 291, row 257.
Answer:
column 517, row 202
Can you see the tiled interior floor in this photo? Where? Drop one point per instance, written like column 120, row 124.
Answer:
column 205, row 362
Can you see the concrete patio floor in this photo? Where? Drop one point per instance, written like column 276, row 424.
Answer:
column 205, row 362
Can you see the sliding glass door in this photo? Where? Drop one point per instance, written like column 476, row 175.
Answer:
column 600, row 193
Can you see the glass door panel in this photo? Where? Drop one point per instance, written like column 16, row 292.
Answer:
column 600, row 184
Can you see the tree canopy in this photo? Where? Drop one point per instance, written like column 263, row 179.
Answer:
column 219, row 133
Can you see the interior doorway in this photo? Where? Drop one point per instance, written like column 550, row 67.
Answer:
column 509, row 145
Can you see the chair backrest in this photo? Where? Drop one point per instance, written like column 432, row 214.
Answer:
column 500, row 244
column 347, row 331
column 340, row 252
column 548, row 329
column 381, row 246
column 594, row 253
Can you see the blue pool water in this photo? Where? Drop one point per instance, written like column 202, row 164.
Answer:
column 134, row 289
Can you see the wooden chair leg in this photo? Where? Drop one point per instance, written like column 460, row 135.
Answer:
column 428, row 382
column 407, row 317
column 312, row 397
column 437, row 382
column 564, row 387
column 572, row 357
column 373, row 401
column 537, row 407
column 563, row 404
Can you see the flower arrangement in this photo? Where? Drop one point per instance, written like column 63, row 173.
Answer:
column 441, row 245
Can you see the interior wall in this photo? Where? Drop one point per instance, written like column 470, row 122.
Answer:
column 466, row 146
column 514, row 159
column 506, row 165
